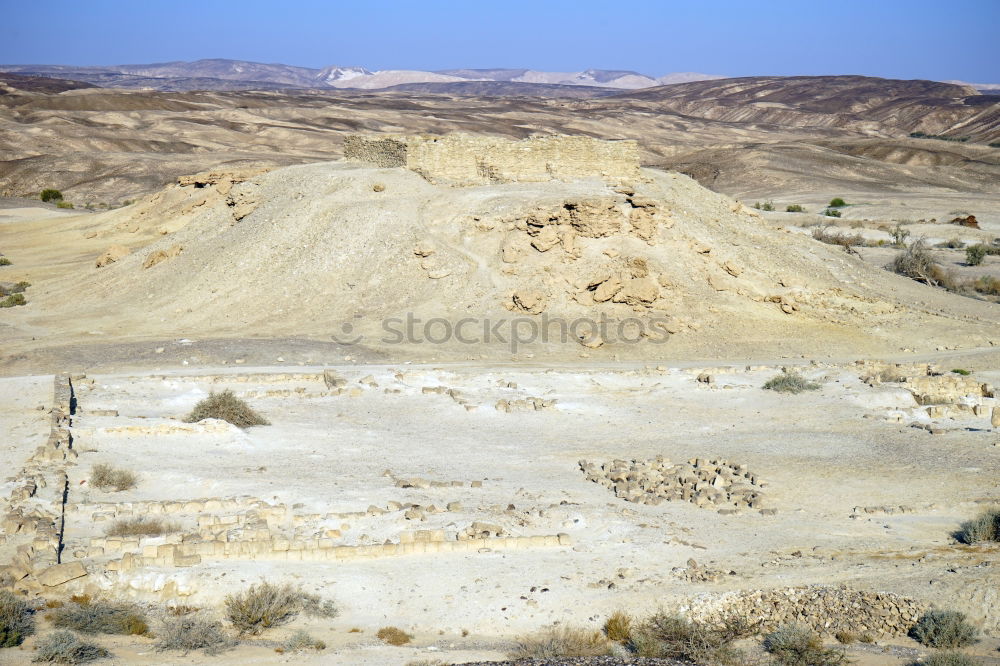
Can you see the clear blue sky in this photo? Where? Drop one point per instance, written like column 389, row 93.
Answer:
column 953, row 39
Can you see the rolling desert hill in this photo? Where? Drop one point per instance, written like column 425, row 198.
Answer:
column 821, row 135
column 223, row 74
column 300, row 250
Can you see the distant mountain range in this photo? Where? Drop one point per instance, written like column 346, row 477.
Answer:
column 221, row 74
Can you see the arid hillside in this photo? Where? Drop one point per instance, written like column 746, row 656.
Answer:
column 739, row 136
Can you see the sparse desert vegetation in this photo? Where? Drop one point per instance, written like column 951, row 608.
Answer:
column 983, row 528
column 4, row 261
column 265, row 605
column 944, row 629
column 793, row 645
column 300, row 641
column 795, row 208
column 191, row 633
column 16, row 620
column 140, row 526
column 556, row 642
column 49, row 195
column 101, row 617
column 104, row 476
column 393, row 636
column 790, row 382
column 65, row 647
column 227, row 407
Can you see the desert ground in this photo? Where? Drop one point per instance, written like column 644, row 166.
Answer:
column 472, row 491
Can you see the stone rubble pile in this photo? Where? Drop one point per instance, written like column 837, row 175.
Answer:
column 705, row 483
column 826, row 610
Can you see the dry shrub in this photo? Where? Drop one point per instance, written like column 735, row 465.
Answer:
column 300, row 641
column 790, row 382
column 987, row 284
column 101, row 618
column 193, row 633
column 65, row 647
column 916, row 261
column 561, row 642
column 665, row 636
column 104, row 476
column 982, row 528
column 833, row 236
column 944, row 629
column 393, row 636
column 227, row 407
column 793, row 645
column 140, row 527
column 16, row 621
column 266, row 605
column 618, row 627
column 845, row 637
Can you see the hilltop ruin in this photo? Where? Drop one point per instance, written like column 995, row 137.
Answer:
column 463, row 159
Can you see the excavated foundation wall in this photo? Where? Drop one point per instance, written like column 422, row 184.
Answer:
column 462, row 159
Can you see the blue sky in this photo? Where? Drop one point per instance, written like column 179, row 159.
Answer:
column 957, row 39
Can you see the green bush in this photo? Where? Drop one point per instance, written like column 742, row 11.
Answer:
column 50, row 195
column 101, row 617
column 64, row 647
column 944, row 629
column 793, row 645
column 795, row 208
column 4, row 261
column 266, row 605
column 193, row 633
column 962, row 371
column 974, row 254
column 13, row 300
column 983, row 528
column 831, row 212
column 790, row 382
column 64, row 204
column 16, row 621
column 837, row 202
column 227, row 407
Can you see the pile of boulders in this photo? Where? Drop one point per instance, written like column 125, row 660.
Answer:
column 826, row 610
column 705, row 483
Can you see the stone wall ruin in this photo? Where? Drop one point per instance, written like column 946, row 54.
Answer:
column 463, row 159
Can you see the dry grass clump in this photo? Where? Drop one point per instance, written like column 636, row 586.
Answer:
column 846, row 637
column 101, row 617
column 104, row 476
column 393, row 636
column 190, row 633
column 266, row 605
column 618, row 627
column 227, row 407
column 16, row 621
column 562, row 642
column 301, row 641
column 984, row 527
column 947, row 658
column 140, row 527
column 944, row 629
column 794, row 645
column 790, row 382
column 65, row 647
column 4, row 261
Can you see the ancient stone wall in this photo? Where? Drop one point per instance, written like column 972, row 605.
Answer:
column 463, row 159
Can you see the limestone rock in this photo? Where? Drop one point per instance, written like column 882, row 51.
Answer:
column 59, row 574
column 112, row 254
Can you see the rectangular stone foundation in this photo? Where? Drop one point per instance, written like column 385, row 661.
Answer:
column 463, row 159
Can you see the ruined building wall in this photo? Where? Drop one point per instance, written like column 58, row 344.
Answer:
column 462, row 159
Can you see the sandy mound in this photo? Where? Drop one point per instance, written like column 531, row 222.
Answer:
column 304, row 249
